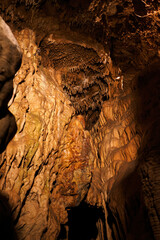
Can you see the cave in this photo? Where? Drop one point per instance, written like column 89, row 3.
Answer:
column 79, row 119
column 84, row 222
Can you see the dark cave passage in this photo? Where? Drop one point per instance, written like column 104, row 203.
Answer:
column 84, row 223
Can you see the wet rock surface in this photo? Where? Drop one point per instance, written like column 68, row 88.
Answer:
column 80, row 116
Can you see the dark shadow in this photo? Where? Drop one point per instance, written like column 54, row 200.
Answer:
column 139, row 7
column 133, row 202
column 7, row 230
column 147, row 95
column 82, row 223
column 63, row 233
column 8, row 128
column 10, row 61
column 148, row 121
column 84, row 4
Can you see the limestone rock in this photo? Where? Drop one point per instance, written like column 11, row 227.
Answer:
column 79, row 127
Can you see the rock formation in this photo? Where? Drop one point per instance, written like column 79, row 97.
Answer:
column 10, row 62
column 86, row 105
column 10, row 59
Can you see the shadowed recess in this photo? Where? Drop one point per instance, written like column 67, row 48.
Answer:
column 84, row 222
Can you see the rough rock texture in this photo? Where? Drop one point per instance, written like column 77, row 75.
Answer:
column 49, row 150
column 10, row 56
column 139, row 208
column 10, row 59
column 81, row 114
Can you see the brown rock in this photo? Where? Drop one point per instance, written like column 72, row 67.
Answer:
column 75, row 112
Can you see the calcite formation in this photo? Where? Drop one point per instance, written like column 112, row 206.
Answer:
column 87, row 121
column 51, row 156
column 136, row 187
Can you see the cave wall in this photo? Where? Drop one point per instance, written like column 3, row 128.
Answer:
column 75, row 103
column 10, row 60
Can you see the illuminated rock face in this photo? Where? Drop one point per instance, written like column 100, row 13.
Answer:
column 52, row 155
column 79, row 117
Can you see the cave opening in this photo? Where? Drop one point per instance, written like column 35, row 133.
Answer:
column 84, row 222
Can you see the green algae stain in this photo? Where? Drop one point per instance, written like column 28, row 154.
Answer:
column 33, row 130
column 47, row 186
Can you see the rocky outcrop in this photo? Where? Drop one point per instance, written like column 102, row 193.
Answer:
column 135, row 193
column 50, row 160
column 10, row 60
column 10, row 56
column 78, row 110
